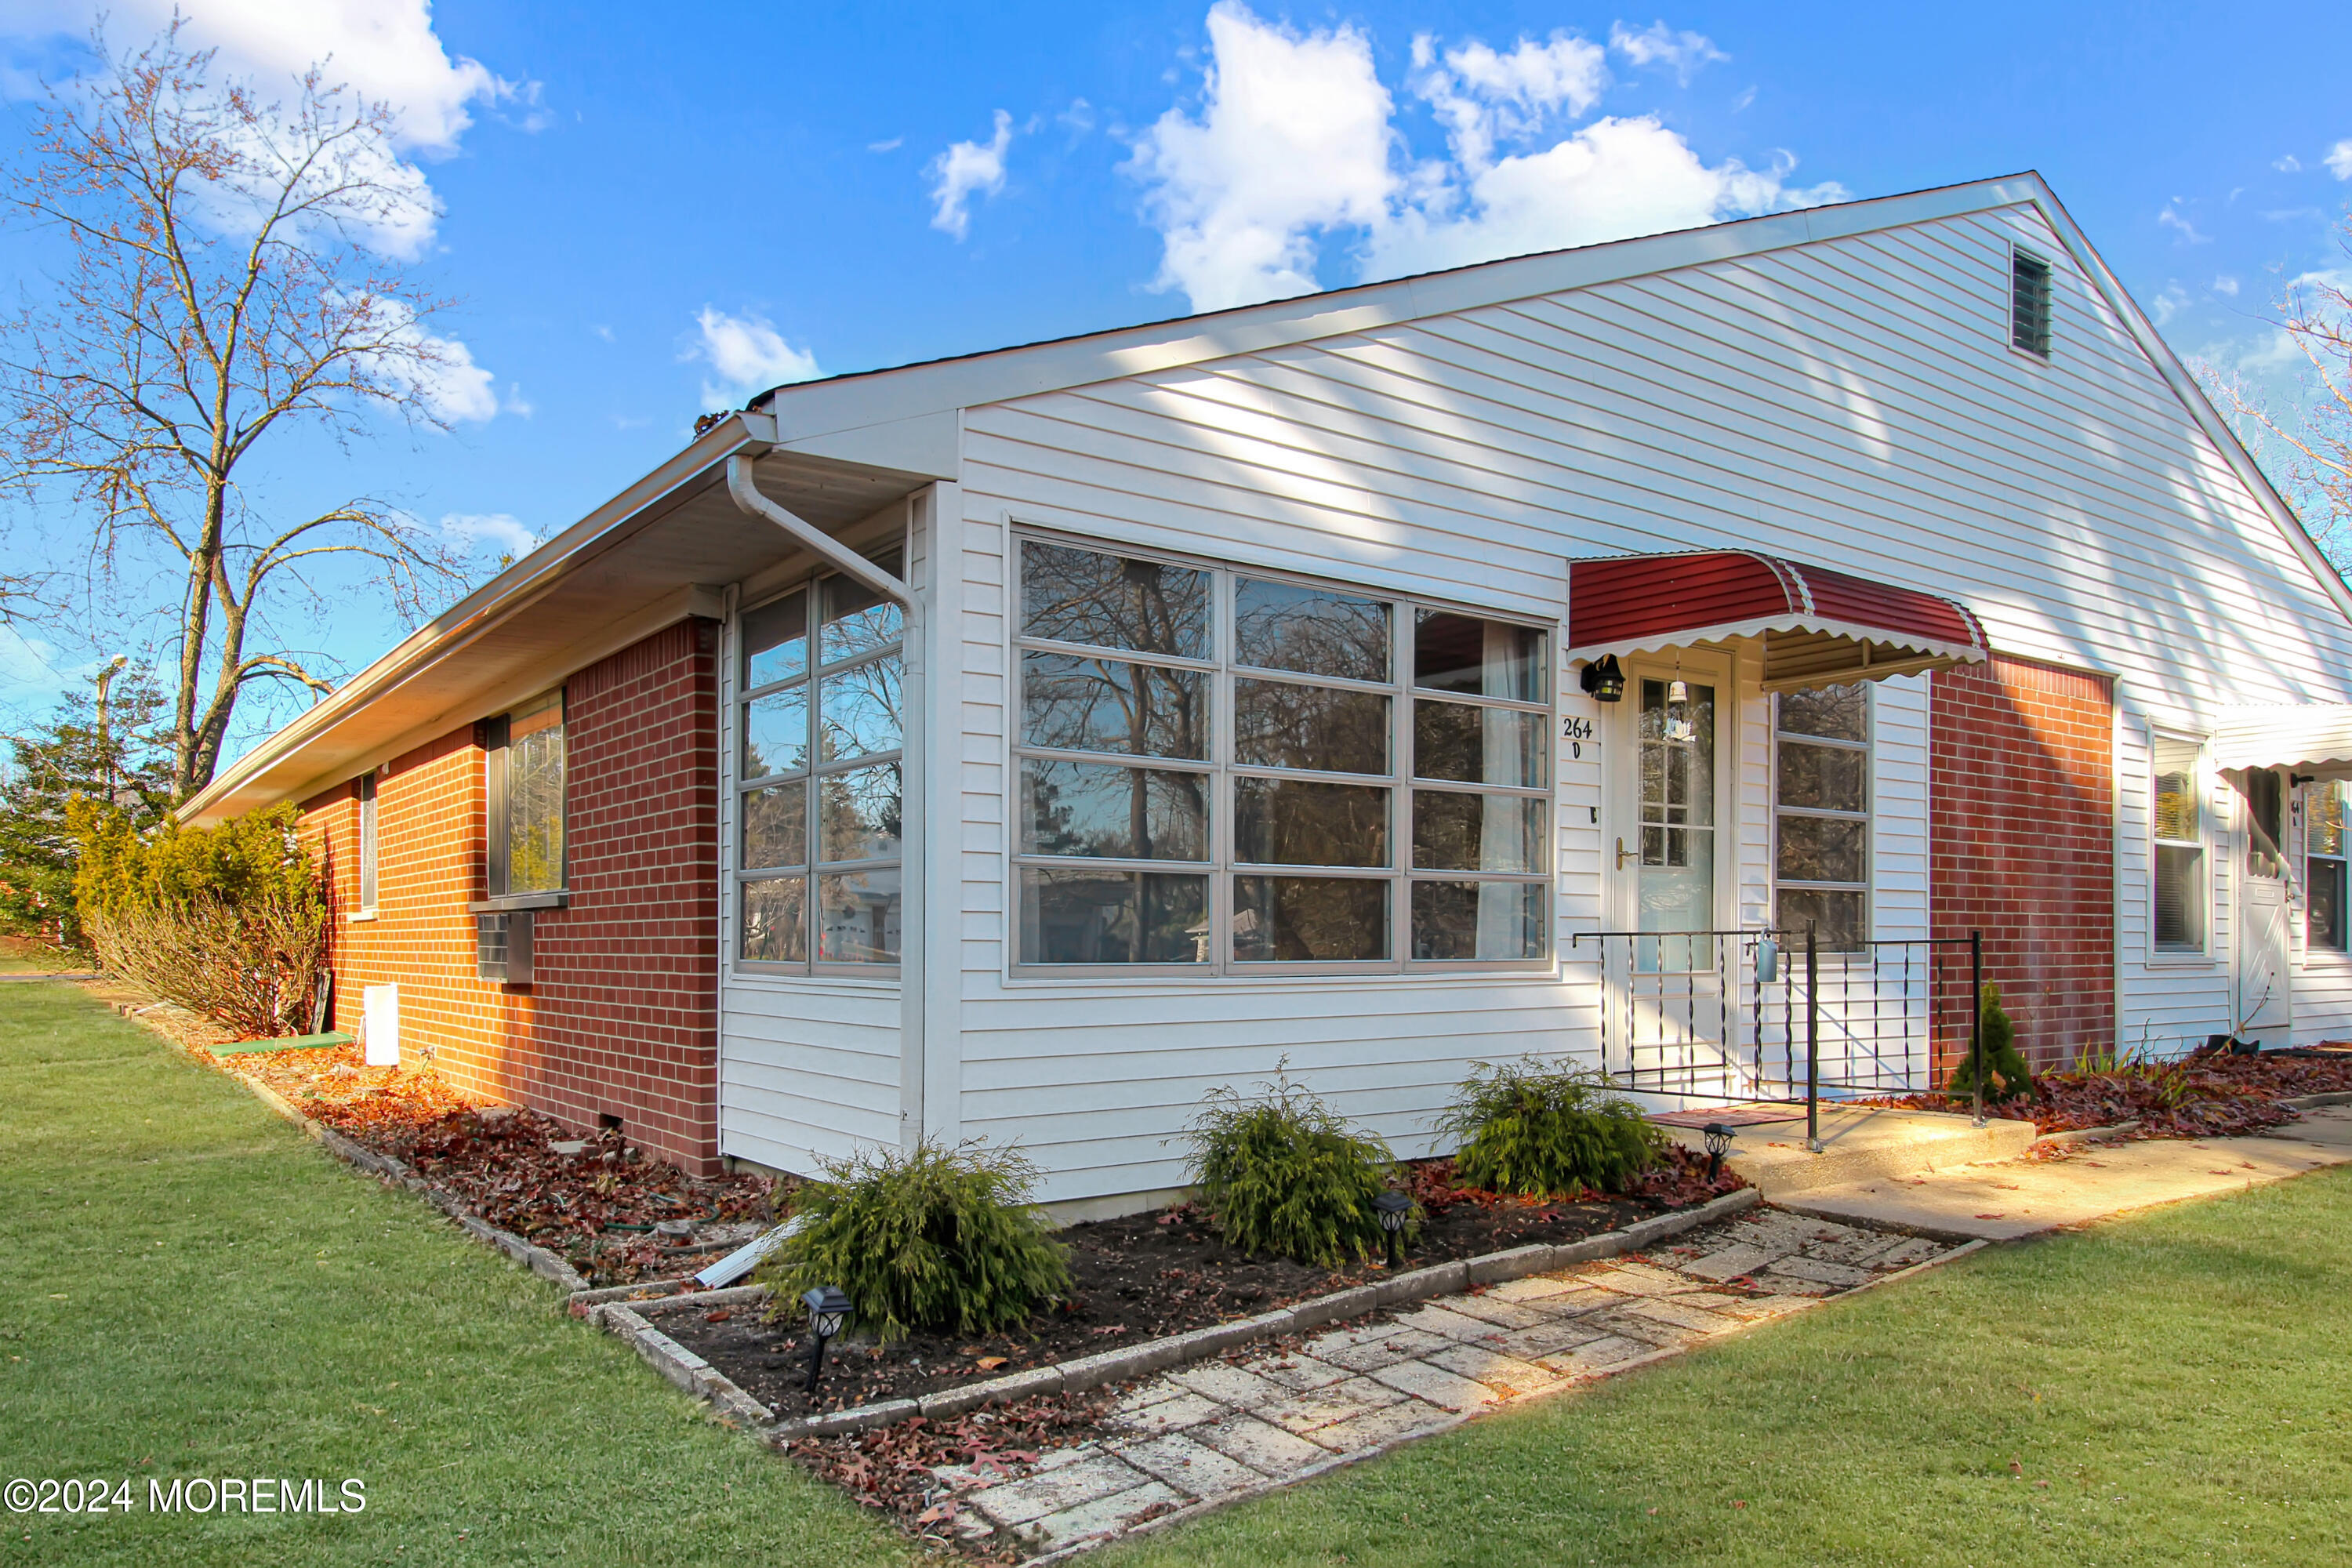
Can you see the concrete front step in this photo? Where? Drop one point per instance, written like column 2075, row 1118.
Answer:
column 1861, row 1143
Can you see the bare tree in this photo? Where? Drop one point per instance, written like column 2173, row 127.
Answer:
column 222, row 284
column 2310, row 447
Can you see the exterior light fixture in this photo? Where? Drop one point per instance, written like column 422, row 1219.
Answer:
column 828, row 1308
column 1718, row 1144
column 1392, row 1207
column 1602, row 680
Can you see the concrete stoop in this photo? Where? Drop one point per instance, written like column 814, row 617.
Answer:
column 1861, row 1143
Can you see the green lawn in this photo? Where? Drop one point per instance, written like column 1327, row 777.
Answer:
column 193, row 1288
column 2183, row 1382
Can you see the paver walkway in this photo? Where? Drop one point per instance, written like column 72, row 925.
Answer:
column 2020, row 1197
column 1216, row 1430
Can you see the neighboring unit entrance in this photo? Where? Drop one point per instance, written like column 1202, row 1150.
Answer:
column 2263, row 997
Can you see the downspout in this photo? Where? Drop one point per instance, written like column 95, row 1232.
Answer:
column 914, row 743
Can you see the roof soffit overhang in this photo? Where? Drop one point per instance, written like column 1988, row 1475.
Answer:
column 659, row 551
column 1818, row 627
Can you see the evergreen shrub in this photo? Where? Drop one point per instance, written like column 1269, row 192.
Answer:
column 1284, row 1174
column 938, row 1240
column 2007, row 1076
column 1532, row 1128
column 229, row 922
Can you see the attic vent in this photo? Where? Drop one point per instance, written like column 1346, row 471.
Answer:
column 2029, row 303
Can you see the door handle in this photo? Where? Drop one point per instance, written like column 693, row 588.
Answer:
column 1622, row 853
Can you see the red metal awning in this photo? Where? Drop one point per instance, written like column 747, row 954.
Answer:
column 1818, row 627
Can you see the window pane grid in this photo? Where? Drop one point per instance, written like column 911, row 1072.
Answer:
column 1821, row 813
column 817, row 838
column 1294, row 744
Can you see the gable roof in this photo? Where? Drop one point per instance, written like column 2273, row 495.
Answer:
column 835, row 449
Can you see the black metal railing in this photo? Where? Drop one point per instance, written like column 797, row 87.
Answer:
column 1773, row 1015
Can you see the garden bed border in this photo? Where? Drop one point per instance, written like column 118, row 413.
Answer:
column 690, row 1371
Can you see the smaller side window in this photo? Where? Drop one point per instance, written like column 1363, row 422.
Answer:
column 2179, row 822
column 2323, row 866
column 2029, row 303
column 525, row 753
column 363, row 791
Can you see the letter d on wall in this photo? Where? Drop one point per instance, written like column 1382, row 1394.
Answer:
column 379, row 1005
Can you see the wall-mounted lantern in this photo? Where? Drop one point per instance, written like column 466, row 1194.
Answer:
column 1601, row 678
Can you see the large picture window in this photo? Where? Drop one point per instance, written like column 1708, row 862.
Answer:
column 2324, row 843
column 1238, row 771
column 1821, row 815
column 818, row 726
column 2178, row 817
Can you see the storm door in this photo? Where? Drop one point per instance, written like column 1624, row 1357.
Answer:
column 2260, row 968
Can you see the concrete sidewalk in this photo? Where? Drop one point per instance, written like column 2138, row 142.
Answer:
column 2023, row 1197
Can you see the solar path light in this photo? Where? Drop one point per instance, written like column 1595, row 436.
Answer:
column 1392, row 1207
column 828, row 1308
column 1718, row 1144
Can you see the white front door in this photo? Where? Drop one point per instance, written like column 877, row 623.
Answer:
column 1666, row 860
column 2260, row 978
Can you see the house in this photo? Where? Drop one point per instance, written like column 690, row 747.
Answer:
column 1665, row 653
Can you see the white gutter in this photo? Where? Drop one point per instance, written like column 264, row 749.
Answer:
column 744, row 487
column 913, row 759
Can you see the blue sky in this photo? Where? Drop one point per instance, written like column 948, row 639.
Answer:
column 644, row 211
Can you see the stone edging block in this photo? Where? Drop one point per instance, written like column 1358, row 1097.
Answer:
column 1158, row 1355
column 2314, row 1102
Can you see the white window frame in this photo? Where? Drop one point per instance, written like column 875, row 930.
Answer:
column 1868, row 816
column 738, row 697
column 2341, row 859
column 2213, row 846
column 367, row 792
column 1221, row 868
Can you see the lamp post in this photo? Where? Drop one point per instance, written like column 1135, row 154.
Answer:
column 828, row 1308
column 1718, row 1144
column 1393, row 1207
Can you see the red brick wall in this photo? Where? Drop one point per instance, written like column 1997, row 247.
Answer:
column 2022, row 809
column 622, row 1017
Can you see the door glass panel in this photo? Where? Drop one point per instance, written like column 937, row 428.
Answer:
column 1675, row 888
column 2265, row 803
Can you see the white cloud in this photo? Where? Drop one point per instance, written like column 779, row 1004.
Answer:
column 384, row 50
column 2339, row 159
column 2171, row 219
column 892, row 145
column 2223, row 284
column 1683, row 53
column 2288, row 163
column 964, row 170
column 1295, row 140
column 1293, row 137
column 748, row 356
column 1612, row 179
column 501, row 532
column 1482, row 97
column 440, row 372
column 2168, row 303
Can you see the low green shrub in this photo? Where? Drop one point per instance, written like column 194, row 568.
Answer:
column 1284, row 1174
column 1533, row 1128
column 941, row 1240
column 2007, row 1076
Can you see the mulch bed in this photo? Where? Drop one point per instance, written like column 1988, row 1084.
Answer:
column 2208, row 1094
column 597, row 1209
column 1149, row 1276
